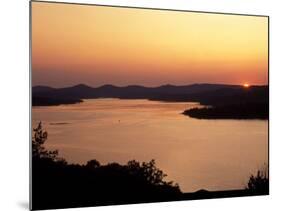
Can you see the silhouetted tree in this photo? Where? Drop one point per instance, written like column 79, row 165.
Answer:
column 150, row 172
column 38, row 149
column 259, row 183
column 93, row 164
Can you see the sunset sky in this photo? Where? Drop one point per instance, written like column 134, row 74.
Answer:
column 99, row 45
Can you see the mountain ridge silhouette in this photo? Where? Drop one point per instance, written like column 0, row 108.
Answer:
column 206, row 94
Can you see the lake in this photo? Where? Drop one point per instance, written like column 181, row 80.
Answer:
column 197, row 154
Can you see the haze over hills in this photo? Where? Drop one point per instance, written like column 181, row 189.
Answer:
column 206, row 94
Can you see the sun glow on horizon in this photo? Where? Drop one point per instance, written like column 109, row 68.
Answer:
column 246, row 85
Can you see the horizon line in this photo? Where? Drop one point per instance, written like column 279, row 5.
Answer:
column 167, row 84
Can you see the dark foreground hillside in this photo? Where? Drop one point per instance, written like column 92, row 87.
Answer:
column 57, row 184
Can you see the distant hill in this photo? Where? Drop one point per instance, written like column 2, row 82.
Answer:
column 207, row 94
column 38, row 89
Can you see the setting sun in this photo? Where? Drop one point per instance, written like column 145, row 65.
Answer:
column 246, row 85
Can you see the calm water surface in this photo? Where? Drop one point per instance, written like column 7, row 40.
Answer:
column 197, row 154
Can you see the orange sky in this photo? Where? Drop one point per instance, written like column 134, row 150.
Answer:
column 99, row 45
